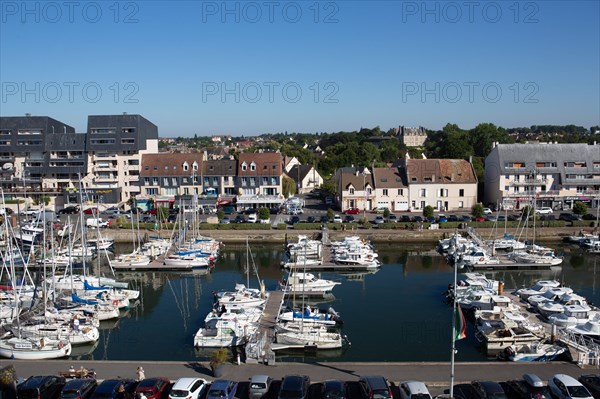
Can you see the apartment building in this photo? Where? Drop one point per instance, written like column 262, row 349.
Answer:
column 551, row 174
column 259, row 180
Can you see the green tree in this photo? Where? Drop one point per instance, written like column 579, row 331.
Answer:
column 37, row 200
column 288, row 186
column 330, row 214
column 329, row 187
column 477, row 210
column 580, row 208
column 162, row 213
column 428, row 211
column 220, row 214
column 263, row 213
column 386, row 213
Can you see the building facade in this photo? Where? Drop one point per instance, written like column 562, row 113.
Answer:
column 412, row 136
column 306, row 178
column 552, row 175
column 259, row 180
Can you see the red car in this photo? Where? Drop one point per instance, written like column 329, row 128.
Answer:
column 90, row 211
column 151, row 211
column 479, row 219
column 352, row 211
column 153, row 388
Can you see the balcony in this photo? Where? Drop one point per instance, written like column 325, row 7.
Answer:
column 107, row 168
column 529, row 182
column 105, row 179
column 104, row 156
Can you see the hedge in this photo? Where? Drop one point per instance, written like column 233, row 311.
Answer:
column 584, row 223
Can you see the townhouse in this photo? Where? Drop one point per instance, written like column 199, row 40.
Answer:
column 549, row 174
column 410, row 185
column 259, row 180
column 306, row 178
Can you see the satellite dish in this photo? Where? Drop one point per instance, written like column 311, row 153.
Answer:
column 7, row 166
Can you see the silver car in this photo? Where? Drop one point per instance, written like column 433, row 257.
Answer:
column 259, row 386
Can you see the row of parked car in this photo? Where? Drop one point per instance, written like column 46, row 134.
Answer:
column 559, row 386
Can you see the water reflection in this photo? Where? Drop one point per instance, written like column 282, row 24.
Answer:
column 394, row 314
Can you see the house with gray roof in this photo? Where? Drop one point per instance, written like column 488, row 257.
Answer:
column 553, row 175
column 306, row 177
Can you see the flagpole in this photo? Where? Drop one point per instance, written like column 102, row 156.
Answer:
column 453, row 334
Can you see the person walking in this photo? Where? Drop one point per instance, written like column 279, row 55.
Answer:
column 140, row 373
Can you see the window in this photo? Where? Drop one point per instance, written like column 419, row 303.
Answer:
column 401, row 192
column 102, row 141
column 170, row 191
column 146, row 181
column 265, row 181
column 29, row 142
column 4, row 142
column 351, row 190
column 369, row 191
column 5, row 132
column 215, row 181
column 461, row 204
column 155, row 181
column 273, row 181
column 507, row 177
column 244, row 166
column 244, row 181
column 29, row 131
column 128, row 130
column 506, row 188
column 461, row 192
column 252, row 166
column 253, row 181
column 166, row 167
column 423, row 192
column 174, row 181
column 195, row 166
column 184, row 180
column 128, row 141
column 186, row 166
column 155, row 167
column 103, row 130
column 151, row 191
column 385, row 192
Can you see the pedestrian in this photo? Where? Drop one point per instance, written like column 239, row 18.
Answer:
column 75, row 323
column 140, row 373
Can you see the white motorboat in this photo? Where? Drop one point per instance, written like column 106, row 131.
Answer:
column 223, row 333
column 537, row 289
column 549, row 295
column 357, row 258
column 549, row 308
column 573, row 315
column 498, row 339
column 33, row 349
column 483, row 300
column 241, row 297
column 589, row 329
column 307, row 284
column 310, row 337
column 533, row 352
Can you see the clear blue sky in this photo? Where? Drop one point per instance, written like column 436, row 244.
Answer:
column 356, row 63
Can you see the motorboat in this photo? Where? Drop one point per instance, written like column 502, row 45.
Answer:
column 538, row 288
column 573, row 315
column 26, row 348
column 483, row 300
column 223, row 333
column 549, row 295
column 533, row 352
column 549, row 308
column 241, row 297
column 497, row 339
column 589, row 329
column 307, row 284
column 311, row 316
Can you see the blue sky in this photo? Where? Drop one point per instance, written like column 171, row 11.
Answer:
column 246, row 68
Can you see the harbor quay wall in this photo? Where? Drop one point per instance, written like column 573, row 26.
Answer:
column 546, row 234
column 434, row 374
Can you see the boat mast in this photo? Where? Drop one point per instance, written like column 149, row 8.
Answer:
column 453, row 344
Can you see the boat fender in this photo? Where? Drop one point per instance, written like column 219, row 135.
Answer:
column 481, row 259
column 61, row 344
column 115, row 302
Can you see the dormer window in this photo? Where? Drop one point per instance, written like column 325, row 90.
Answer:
column 186, row 166
column 244, row 166
column 252, row 166
column 195, row 166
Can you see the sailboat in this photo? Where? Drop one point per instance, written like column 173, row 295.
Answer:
column 16, row 345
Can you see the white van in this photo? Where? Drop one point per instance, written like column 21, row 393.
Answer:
column 96, row 222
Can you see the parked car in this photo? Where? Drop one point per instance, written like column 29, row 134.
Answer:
column 294, row 219
column 228, row 210
column 41, row 387
column 352, row 211
column 222, row 389
column 487, row 211
column 544, row 210
column 380, row 209
column 152, row 388
column 588, row 216
column 530, row 387
column 379, row 219
column 323, row 219
column 337, row 219
column 259, row 386
column 491, row 218
column 294, row 387
column 348, row 219
column 240, row 219
column 109, row 389
column 111, row 211
column 69, row 210
column 413, row 390
column 502, row 218
column 80, row 388
column 334, row 389
column 564, row 386
column 188, row 388
column 453, row 218
column 151, row 211
column 374, row 387
column 310, row 219
column 329, row 200
column 479, row 219
column 30, row 212
column 225, row 220
column 252, row 218
column 442, row 219
column 393, row 218
column 466, row 218
column 568, row 216
column 91, row 211
column 418, row 218
column 405, row 219
column 487, row 390
column 97, row 222
column 592, row 383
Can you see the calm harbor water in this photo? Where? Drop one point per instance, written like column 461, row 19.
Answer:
column 395, row 314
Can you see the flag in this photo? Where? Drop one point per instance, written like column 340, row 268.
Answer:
column 461, row 326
